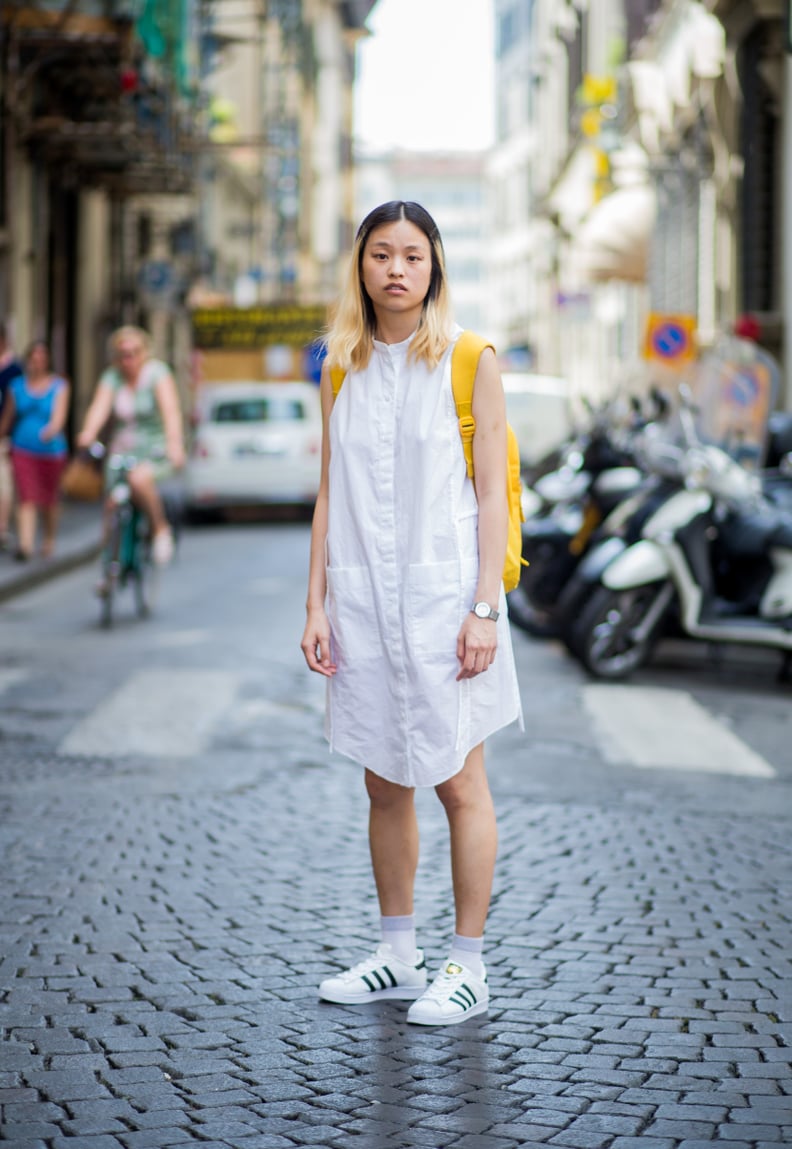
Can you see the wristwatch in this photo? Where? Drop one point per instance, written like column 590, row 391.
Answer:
column 484, row 610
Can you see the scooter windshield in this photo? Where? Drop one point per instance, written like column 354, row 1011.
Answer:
column 735, row 385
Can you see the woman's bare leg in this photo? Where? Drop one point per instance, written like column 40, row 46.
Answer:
column 50, row 516
column 474, row 842
column 146, row 496
column 393, row 840
column 26, row 517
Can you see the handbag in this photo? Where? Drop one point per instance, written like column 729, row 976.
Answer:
column 82, row 478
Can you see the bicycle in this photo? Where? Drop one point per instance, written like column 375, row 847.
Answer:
column 127, row 554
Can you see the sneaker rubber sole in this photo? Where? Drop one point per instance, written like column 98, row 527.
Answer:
column 393, row 993
column 474, row 1011
column 384, row 976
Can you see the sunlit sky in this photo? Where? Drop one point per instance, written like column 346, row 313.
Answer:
column 425, row 76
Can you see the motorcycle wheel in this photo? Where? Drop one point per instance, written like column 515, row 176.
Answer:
column 524, row 615
column 570, row 631
column 603, row 637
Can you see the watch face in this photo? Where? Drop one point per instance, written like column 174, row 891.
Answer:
column 481, row 609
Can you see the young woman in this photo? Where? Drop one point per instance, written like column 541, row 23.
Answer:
column 404, row 546
column 34, row 414
column 140, row 394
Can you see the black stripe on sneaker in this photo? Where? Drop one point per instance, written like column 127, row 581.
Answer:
column 464, row 996
column 374, row 980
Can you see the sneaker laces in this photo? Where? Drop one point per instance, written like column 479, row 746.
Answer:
column 365, row 966
column 444, row 984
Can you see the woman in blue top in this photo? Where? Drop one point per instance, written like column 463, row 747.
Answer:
column 34, row 414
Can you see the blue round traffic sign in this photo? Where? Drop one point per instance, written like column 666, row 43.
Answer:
column 670, row 340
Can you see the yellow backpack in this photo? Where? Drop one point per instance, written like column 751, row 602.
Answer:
column 464, row 364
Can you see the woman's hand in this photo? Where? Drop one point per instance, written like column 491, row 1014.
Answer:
column 476, row 645
column 316, row 643
column 176, row 456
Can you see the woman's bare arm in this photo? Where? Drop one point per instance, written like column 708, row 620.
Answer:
column 316, row 637
column 99, row 411
column 170, row 410
column 60, row 409
column 478, row 640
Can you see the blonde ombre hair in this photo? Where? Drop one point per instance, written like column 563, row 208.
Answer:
column 350, row 338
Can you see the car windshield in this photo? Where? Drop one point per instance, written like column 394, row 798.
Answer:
column 271, row 410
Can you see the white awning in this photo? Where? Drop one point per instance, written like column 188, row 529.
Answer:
column 571, row 197
column 613, row 240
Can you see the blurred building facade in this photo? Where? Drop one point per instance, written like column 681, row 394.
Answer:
column 642, row 168
column 153, row 149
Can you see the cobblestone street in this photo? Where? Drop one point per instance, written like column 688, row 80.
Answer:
column 165, row 919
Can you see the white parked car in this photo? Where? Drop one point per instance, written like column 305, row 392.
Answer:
column 254, row 444
column 538, row 408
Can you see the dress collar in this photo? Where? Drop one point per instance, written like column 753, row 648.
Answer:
column 395, row 348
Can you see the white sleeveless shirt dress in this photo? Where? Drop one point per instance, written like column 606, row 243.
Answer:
column 402, row 567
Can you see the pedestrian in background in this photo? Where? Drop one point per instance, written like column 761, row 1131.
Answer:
column 34, row 415
column 138, row 395
column 10, row 369
column 406, row 608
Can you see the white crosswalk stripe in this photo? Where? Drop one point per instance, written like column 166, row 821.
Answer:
column 173, row 714
column 655, row 727
column 162, row 713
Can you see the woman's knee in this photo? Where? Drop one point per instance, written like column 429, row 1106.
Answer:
column 384, row 794
column 467, row 788
column 141, row 480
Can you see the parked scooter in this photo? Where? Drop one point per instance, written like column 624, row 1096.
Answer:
column 570, row 503
column 714, row 562
column 662, row 458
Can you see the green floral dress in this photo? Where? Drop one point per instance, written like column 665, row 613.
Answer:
column 137, row 428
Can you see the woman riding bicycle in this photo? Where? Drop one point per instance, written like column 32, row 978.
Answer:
column 140, row 395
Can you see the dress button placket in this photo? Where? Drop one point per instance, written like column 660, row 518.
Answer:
column 393, row 363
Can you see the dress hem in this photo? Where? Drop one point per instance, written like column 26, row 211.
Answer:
column 335, row 749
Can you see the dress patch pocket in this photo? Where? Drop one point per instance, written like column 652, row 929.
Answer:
column 352, row 614
column 437, row 601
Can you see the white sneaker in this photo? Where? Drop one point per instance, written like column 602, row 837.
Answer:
column 455, row 995
column 383, row 975
column 162, row 547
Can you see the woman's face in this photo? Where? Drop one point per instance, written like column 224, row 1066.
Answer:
column 129, row 357
column 396, row 268
column 38, row 359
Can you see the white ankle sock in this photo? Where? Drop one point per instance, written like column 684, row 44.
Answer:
column 399, row 933
column 467, row 952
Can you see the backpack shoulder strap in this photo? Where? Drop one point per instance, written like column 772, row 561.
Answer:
column 337, row 377
column 464, row 364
